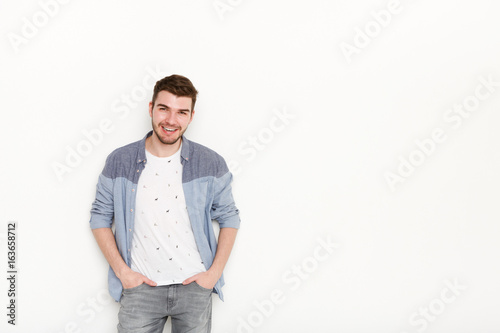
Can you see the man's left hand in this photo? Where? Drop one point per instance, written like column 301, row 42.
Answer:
column 205, row 279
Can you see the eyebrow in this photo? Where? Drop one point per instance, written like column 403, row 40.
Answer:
column 168, row 107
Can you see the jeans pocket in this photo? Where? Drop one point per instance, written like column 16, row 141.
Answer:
column 133, row 288
column 202, row 288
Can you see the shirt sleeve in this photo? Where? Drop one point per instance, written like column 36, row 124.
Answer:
column 102, row 212
column 223, row 207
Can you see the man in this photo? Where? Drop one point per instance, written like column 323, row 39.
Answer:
column 163, row 193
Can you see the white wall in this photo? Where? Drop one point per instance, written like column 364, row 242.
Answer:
column 417, row 253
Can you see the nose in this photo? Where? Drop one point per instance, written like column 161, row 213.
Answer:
column 170, row 118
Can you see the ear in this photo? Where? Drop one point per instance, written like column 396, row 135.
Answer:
column 151, row 109
column 192, row 115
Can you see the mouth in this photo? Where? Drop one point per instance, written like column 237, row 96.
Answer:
column 169, row 130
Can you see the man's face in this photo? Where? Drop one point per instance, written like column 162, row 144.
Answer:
column 170, row 116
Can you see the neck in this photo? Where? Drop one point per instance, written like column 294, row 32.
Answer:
column 159, row 149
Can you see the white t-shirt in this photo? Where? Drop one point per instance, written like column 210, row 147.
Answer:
column 163, row 244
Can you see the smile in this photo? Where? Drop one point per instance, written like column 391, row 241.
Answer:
column 169, row 129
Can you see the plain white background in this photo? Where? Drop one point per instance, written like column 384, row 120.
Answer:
column 313, row 176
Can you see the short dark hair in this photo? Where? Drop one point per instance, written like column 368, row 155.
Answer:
column 178, row 85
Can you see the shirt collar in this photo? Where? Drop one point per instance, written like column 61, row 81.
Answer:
column 185, row 149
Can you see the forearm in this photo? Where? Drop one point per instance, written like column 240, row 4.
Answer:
column 107, row 244
column 226, row 240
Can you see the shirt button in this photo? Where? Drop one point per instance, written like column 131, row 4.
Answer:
column 131, row 210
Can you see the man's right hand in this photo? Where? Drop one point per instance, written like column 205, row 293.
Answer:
column 128, row 277
column 132, row 279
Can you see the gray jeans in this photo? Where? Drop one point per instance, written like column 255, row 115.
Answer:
column 145, row 309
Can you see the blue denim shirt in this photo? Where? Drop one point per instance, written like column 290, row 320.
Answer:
column 206, row 182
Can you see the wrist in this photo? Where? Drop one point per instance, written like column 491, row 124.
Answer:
column 122, row 271
column 215, row 272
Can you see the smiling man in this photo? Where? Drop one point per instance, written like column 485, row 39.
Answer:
column 162, row 193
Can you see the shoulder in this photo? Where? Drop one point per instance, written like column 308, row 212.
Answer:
column 200, row 151
column 121, row 159
column 205, row 160
column 125, row 151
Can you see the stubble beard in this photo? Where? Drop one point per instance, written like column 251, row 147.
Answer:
column 158, row 128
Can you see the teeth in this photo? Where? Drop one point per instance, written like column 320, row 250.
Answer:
column 168, row 129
